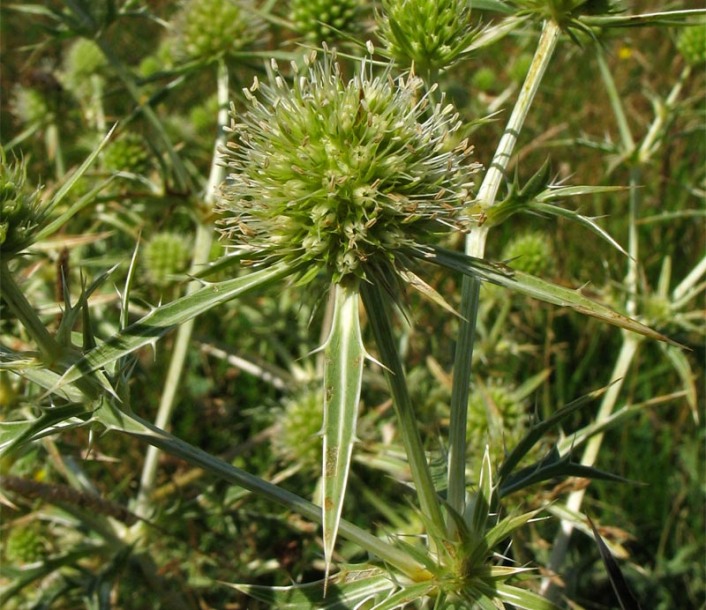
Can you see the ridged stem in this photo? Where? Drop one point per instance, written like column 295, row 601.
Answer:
column 475, row 246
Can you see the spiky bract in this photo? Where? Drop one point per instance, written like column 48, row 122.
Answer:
column 343, row 178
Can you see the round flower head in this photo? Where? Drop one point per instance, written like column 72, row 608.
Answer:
column 342, row 177
column 22, row 212
column 692, row 44
column 430, row 34
column 205, row 29
column 320, row 20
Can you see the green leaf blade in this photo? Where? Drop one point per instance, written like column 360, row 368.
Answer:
column 160, row 321
column 344, row 355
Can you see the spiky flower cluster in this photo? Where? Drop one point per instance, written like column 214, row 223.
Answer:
column 344, row 177
column 320, row 20
column 21, row 212
column 432, row 35
column 206, row 29
column 166, row 255
column 83, row 60
column 692, row 44
column 530, row 252
column 298, row 439
column 127, row 154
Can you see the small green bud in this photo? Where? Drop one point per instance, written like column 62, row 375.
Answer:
column 298, row 439
column 692, row 44
column 165, row 256
column 25, row 544
column 496, row 415
column 484, row 79
column 21, row 212
column 520, row 67
column 530, row 252
column 30, row 106
column 83, row 60
column 127, row 154
column 321, row 20
column 206, row 29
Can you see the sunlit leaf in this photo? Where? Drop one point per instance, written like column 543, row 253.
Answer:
column 344, row 356
column 536, row 288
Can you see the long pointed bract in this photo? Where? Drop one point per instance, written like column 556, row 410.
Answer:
column 343, row 375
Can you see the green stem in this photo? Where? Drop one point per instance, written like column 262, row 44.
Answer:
column 24, row 312
column 475, row 246
column 202, row 250
column 380, row 323
column 616, row 104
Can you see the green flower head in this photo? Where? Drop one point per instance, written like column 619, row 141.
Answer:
column 432, row 35
column 21, row 212
column 321, row 20
column 205, row 29
column 343, row 178
column 692, row 44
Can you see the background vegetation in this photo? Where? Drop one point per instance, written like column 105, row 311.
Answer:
column 80, row 525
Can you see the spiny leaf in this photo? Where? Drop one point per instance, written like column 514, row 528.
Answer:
column 534, row 287
column 344, row 355
column 622, row 591
column 522, row 598
column 14, row 434
column 551, row 466
column 537, row 431
column 589, row 223
column 347, row 589
column 161, row 320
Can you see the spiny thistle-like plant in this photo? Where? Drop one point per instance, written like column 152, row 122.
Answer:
column 297, row 439
column 432, row 35
column 127, row 154
column 207, row 29
column 30, row 107
column 321, row 20
column 344, row 178
column 347, row 180
column 83, row 60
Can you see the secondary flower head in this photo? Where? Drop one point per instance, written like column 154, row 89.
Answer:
column 22, row 212
column 343, row 177
column 430, row 34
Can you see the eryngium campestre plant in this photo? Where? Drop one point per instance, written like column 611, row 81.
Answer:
column 343, row 178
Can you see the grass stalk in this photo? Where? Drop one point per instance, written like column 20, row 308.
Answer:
column 475, row 246
column 202, row 249
column 380, row 324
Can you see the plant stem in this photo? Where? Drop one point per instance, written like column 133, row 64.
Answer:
column 380, row 324
column 23, row 311
column 202, row 249
column 475, row 246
